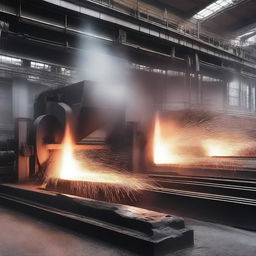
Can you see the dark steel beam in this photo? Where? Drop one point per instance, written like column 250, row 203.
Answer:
column 134, row 26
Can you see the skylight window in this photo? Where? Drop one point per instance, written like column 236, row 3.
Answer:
column 248, row 38
column 213, row 8
column 39, row 65
column 66, row 72
column 33, row 78
column 10, row 60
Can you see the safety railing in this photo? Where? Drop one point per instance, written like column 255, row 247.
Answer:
column 147, row 12
column 56, row 76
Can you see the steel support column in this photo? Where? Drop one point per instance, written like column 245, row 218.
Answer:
column 225, row 98
column 187, row 86
column 250, row 96
column 198, row 80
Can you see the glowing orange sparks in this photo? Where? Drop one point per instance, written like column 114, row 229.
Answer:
column 70, row 168
column 177, row 145
column 162, row 146
column 216, row 147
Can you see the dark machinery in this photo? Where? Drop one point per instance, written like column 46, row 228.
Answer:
column 82, row 107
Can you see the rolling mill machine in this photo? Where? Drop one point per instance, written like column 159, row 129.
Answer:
column 93, row 123
column 178, row 137
column 83, row 110
column 79, row 107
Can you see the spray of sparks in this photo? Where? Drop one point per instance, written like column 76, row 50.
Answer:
column 86, row 178
column 196, row 142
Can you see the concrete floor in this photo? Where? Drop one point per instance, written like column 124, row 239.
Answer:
column 22, row 235
column 219, row 240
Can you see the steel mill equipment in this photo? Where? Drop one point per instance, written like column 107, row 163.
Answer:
column 83, row 108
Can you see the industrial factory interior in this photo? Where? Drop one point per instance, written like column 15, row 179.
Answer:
column 127, row 127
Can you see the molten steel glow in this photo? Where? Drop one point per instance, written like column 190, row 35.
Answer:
column 72, row 169
column 214, row 147
column 88, row 178
column 194, row 143
column 163, row 146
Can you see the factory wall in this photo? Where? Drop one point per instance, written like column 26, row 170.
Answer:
column 6, row 121
column 153, row 90
column 213, row 97
column 21, row 99
column 16, row 101
column 174, row 90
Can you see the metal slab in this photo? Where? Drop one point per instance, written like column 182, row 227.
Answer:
column 140, row 230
